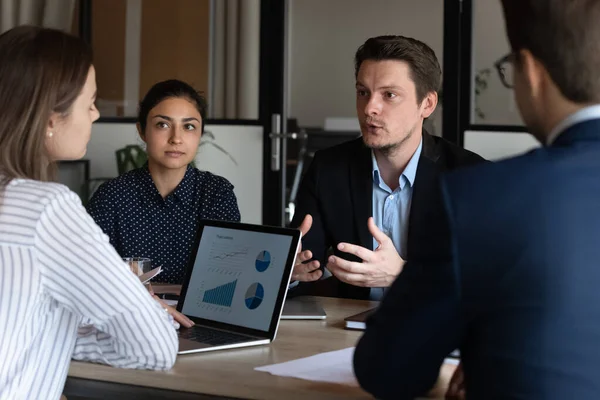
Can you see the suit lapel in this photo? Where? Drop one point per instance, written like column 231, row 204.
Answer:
column 361, row 189
column 424, row 194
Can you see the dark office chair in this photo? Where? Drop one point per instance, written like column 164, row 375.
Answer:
column 75, row 174
column 90, row 186
column 309, row 144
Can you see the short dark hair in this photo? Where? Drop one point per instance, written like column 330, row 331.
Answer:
column 171, row 88
column 564, row 36
column 42, row 71
column 424, row 66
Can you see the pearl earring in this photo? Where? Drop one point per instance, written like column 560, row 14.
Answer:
column 50, row 134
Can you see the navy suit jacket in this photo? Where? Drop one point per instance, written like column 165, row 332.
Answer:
column 518, row 290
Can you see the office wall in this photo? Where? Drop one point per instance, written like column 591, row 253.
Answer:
column 496, row 102
column 496, row 146
column 324, row 37
column 174, row 42
column 244, row 169
column 108, row 43
column 138, row 43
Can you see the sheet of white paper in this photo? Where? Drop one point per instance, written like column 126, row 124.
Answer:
column 150, row 274
column 332, row 367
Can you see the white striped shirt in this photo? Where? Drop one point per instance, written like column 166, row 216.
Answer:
column 65, row 292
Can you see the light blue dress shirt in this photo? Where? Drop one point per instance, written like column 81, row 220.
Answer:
column 391, row 209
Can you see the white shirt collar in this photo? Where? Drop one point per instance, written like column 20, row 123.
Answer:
column 585, row 114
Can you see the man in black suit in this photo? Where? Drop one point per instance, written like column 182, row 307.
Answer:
column 388, row 174
column 516, row 288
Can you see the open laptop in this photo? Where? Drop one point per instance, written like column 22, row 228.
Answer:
column 235, row 285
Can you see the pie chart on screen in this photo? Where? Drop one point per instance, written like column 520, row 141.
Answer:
column 254, row 295
column 263, row 260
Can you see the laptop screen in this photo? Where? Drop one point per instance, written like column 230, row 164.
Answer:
column 237, row 275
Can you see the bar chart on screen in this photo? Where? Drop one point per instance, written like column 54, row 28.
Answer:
column 221, row 295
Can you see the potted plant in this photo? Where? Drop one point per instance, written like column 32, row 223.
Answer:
column 208, row 139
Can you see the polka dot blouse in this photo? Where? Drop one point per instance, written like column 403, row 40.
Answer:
column 140, row 223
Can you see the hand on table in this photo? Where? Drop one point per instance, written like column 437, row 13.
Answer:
column 379, row 267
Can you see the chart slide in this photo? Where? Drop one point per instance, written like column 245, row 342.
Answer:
column 220, row 295
column 254, row 295
column 263, row 260
column 237, row 276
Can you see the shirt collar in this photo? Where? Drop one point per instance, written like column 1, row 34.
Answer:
column 410, row 172
column 585, row 114
column 183, row 192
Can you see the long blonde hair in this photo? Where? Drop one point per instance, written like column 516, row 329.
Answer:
column 42, row 71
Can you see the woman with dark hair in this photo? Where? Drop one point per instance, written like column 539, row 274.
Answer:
column 154, row 211
column 64, row 290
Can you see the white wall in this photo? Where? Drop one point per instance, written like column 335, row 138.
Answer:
column 106, row 139
column 244, row 143
column 495, row 146
column 325, row 34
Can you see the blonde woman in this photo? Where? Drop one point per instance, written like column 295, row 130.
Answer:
column 64, row 290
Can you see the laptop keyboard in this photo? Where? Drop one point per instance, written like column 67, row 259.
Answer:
column 203, row 334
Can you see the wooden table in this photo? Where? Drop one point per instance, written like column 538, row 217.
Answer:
column 230, row 373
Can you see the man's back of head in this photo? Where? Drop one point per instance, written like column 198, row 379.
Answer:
column 516, row 286
column 556, row 58
column 528, row 252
